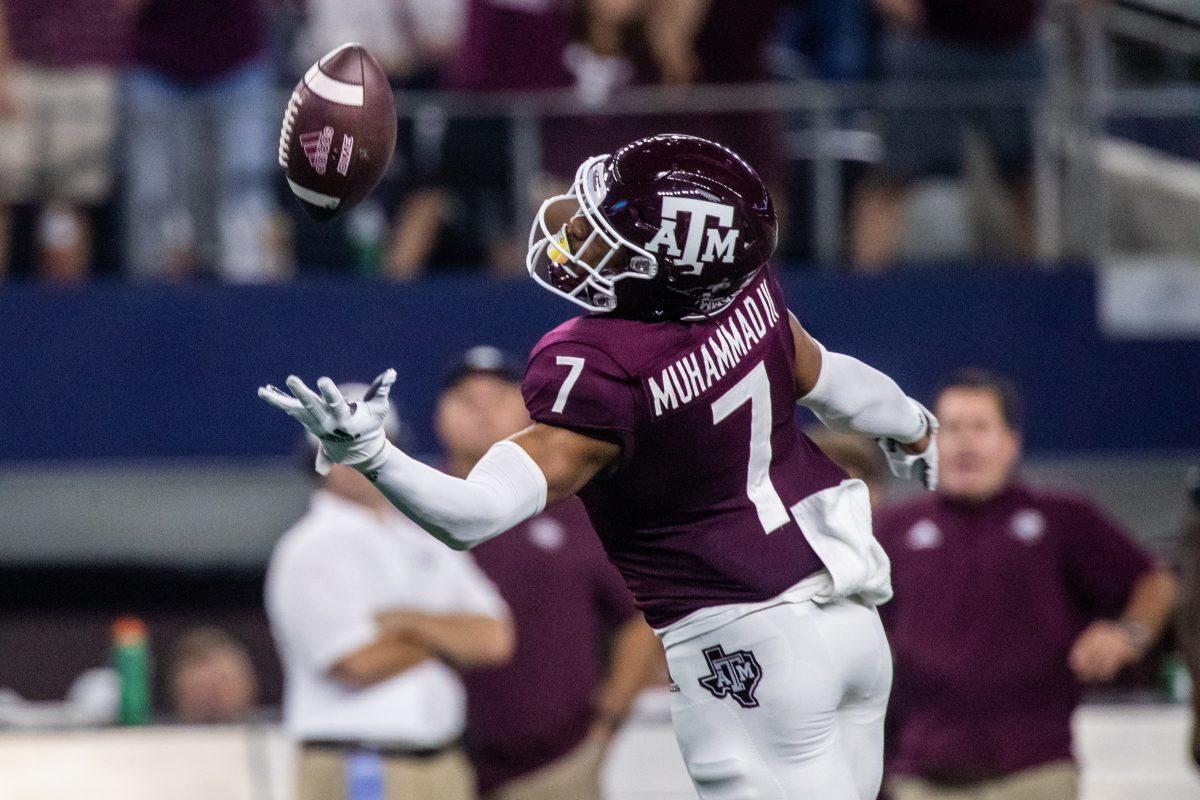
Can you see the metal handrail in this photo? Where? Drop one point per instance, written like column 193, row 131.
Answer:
column 775, row 96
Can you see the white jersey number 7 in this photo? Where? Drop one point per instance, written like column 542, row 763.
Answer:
column 756, row 388
column 576, row 364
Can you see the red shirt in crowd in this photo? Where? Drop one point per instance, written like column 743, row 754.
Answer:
column 989, row 599
column 565, row 598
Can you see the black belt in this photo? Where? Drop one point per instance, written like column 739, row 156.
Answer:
column 387, row 749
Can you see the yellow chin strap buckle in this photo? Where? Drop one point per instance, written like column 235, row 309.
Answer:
column 559, row 250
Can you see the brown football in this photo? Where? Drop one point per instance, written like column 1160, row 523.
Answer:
column 339, row 131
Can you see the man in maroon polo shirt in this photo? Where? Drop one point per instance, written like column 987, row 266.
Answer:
column 1009, row 599
column 538, row 727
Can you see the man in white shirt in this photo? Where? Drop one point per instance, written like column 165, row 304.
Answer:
column 372, row 617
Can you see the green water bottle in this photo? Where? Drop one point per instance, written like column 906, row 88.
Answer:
column 367, row 228
column 1176, row 682
column 131, row 661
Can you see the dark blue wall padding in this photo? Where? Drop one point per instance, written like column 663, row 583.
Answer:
column 115, row 371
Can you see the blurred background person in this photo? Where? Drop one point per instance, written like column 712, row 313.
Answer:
column 1009, row 600
column 468, row 214
column 58, row 61
column 8, row 108
column 608, row 53
column 1187, row 623
column 539, row 726
column 414, row 41
column 724, row 42
column 201, row 126
column 211, row 678
column 859, row 455
column 951, row 42
column 373, row 618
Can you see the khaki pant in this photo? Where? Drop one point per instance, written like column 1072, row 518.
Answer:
column 1055, row 781
column 575, row 776
column 59, row 142
column 322, row 776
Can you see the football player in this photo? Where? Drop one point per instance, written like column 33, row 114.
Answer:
column 669, row 408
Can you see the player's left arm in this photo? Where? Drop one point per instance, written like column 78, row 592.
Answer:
column 850, row 396
column 515, row 480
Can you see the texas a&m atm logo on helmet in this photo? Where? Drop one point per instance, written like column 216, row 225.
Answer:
column 684, row 223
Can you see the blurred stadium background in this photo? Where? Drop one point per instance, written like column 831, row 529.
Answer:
column 154, row 271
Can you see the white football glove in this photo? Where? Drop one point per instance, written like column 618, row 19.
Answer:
column 350, row 433
column 921, row 466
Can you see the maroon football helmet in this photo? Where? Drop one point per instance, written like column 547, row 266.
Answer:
column 682, row 225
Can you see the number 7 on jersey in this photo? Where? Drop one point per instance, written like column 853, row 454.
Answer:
column 755, row 389
column 576, row 365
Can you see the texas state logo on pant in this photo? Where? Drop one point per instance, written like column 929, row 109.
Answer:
column 733, row 675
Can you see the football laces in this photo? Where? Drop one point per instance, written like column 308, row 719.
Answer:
column 285, row 133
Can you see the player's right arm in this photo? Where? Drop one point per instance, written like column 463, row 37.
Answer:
column 514, row 481
column 852, row 397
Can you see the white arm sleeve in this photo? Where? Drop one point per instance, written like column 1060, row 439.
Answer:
column 852, row 397
column 505, row 488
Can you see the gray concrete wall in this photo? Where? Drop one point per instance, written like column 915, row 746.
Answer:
column 213, row 514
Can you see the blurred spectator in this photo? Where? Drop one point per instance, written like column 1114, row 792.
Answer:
column 950, row 42
column 469, row 215
column 211, row 678
column 1187, row 624
column 414, row 41
column 57, row 120
column 201, row 126
column 827, row 39
column 608, row 52
column 409, row 38
column 8, row 108
column 1008, row 600
column 859, row 456
column 714, row 41
column 538, row 727
column 724, row 42
column 372, row 617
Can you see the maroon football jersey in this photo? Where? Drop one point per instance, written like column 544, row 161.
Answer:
column 696, row 512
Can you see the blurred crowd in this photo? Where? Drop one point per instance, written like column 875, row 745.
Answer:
column 137, row 137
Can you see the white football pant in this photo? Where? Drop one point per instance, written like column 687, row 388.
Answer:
column 785, row 703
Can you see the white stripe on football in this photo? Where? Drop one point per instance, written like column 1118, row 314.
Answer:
column 331, row 89
column 316, row 198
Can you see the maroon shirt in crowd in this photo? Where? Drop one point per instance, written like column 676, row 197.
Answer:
column 990, row 597
column 510, row 46
column 984, row 22
column 565, row 598
column 67, row 33
column 195, row 41
column 675, row 517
